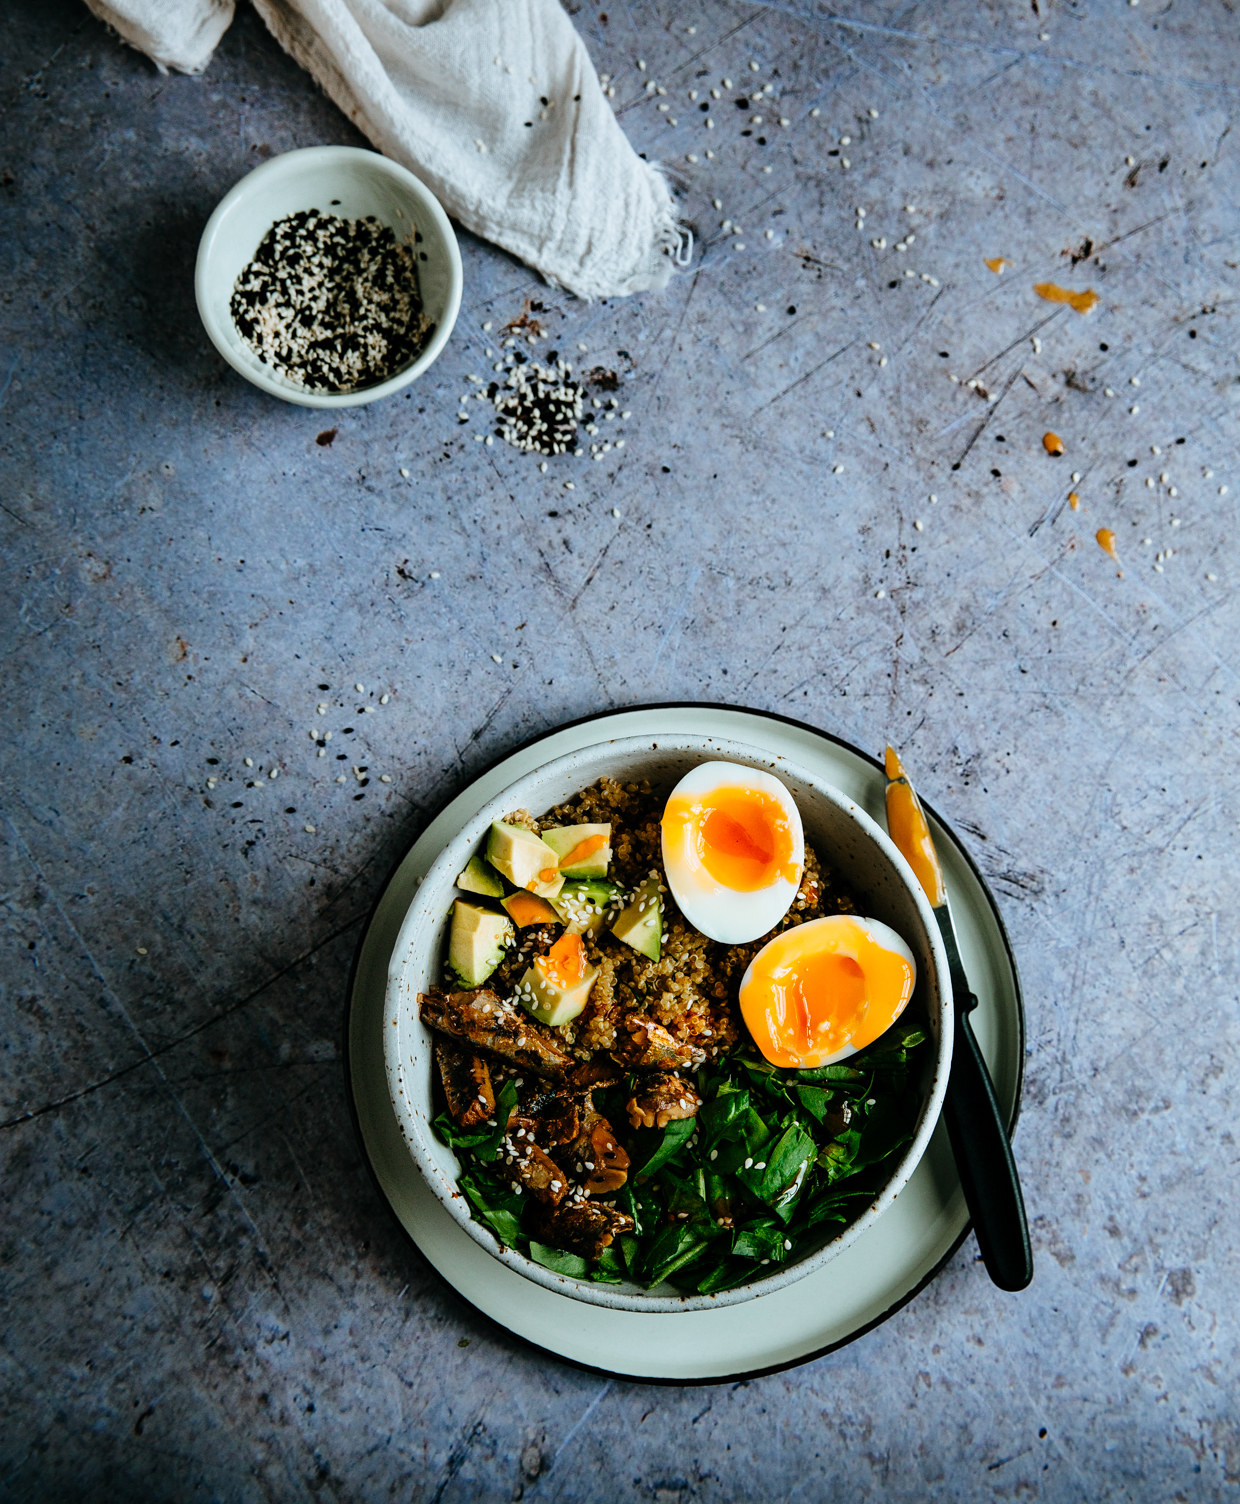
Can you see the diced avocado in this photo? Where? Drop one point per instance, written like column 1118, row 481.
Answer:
column 583, row 905
column 478, row 877
column 523, row 859
column 477, row 941
column 566, row 840
column 524, row 909
column 640, row 923
column 548, row 1001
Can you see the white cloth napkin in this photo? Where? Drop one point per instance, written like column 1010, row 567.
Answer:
column 447, row 88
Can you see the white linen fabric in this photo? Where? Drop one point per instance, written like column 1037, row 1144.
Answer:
column 493, row 103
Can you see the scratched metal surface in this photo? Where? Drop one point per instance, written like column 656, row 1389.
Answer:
column 203, row 1296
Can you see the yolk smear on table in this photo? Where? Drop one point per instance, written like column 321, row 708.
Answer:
column 1074, row 501
column 1106, row 542
column 997, row 263
column 1052, row 443
column 1082, row 302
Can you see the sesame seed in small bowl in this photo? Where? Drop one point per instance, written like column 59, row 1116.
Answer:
column 329, row 277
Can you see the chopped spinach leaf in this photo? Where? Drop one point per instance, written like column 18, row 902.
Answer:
column 557, row 1259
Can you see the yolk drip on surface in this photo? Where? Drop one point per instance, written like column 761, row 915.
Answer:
column 1052, row 443
column 997, row 263
column 1082, row 302
column 582, row 851
column 812, row 992
column 740, row 836
column 908, row 828
column 565, row 962
column 1106, row 542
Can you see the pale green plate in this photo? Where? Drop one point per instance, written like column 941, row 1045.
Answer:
column 854, row 1292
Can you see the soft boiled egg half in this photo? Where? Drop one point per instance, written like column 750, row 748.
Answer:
column 733, row 850
column 823, row 990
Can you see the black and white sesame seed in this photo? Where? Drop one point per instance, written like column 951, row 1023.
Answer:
column 332, row 304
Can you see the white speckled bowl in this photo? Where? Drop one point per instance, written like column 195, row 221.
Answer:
column 845, row 838
column 344, row 180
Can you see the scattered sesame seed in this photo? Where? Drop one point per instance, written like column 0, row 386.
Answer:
column 495, row 658
column 404, row 472
column 385, row 778
column 434, row 574
column 880, row 595
column 309, row 830
column 918, row 525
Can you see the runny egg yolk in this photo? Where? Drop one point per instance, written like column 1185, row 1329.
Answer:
column 823, row 990
column 740, row 836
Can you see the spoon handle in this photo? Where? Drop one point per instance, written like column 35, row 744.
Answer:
column 984, row 1161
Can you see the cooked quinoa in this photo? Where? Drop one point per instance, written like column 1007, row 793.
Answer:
column 692, row 989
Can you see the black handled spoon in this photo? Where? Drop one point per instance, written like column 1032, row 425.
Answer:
column 971, row 1110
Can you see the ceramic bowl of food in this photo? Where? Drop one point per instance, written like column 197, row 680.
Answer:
column 852, row 856
column 352, row 184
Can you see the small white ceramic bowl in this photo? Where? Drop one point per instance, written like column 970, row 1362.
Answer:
column 848, row 842
column 352, row 183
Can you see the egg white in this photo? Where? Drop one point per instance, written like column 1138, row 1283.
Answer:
column 720, row 913
column 883, row 936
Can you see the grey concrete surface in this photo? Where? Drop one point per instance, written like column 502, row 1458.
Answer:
column 203, row 1296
